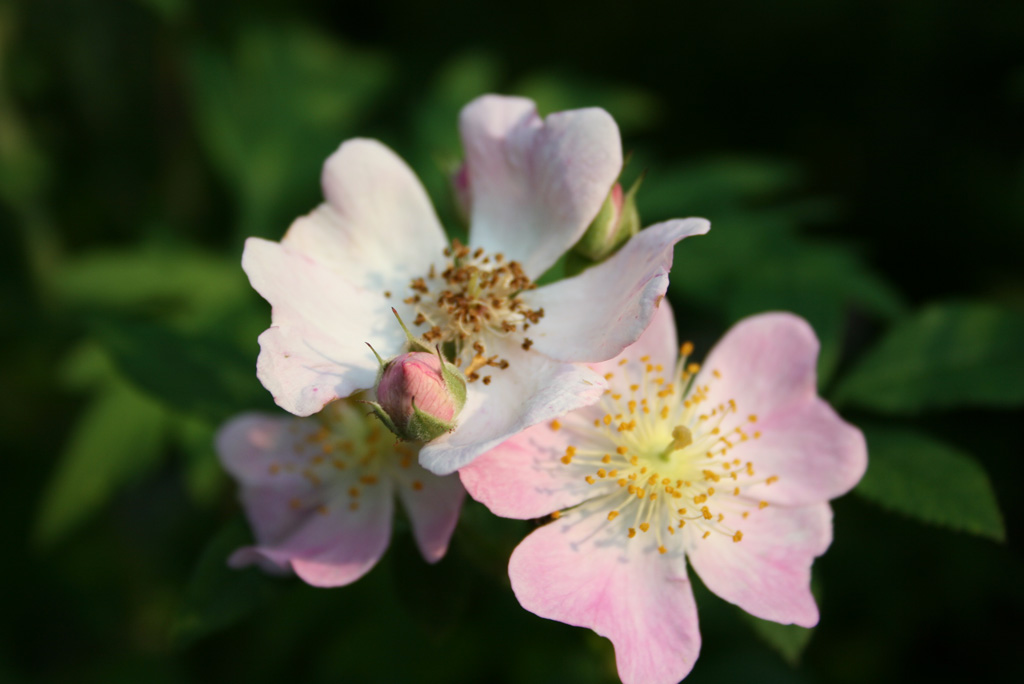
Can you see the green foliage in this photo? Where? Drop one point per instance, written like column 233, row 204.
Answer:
column 917, row 475
column 193, row 374
column 116, row 441
column 788, row 640
column 272, row 108
column 948, row 355
column 218, row 596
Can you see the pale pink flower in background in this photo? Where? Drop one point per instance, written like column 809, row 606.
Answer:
column 730, row 465
column 319, row 492
column 533, row 186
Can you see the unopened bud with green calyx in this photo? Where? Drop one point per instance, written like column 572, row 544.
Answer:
column 617, row 221
column 419, row 395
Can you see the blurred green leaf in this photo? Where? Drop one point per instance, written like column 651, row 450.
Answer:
column 789, row 640
column 204, row 476
column 218, row 596
column 116, row 440
column 193, row 374
column 178, row 284
column 952, row 354
column 271, row 111
column 912, row 473
column 436, row 595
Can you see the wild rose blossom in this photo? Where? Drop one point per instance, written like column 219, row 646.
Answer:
column 319, row 492
column 533, row 186
column 730, row 465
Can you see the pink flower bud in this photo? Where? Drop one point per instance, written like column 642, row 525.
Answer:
column 420, row 395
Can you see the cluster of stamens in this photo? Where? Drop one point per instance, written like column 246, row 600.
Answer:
column 662, row 457
column 475, row 298
column 341, row 453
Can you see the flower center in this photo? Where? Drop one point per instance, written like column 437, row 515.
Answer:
column 473, row 301
column 661, row 457
column 341, row 452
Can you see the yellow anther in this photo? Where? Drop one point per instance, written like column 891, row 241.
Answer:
column 607, row 458
column 736, row 491
column 634, row 388
column 752, row 418
column 763, row 504
column 622, row 482
column 681, row 511
column 738, row 536
column 612, row 515
column 664, row 412
column 632, row 533
column 692, row 368
column 716, row 374
column 555, row 425
column 632, row 405
column 353, row 492
column 644, row 526
column 556, row 515
column 623, row 362
column 745, row 514
column 567, row 459
column 613, row 473
column 704, row 511
column 621, row 450
column 601, row 472
column 706, row 535
column 700, row 498
column 686, row 349
column 721, row 517
column 645, row 358
column 589, row 479
column 368, row 479
column 570, row 451
column 607, row 419
column 609, row 376
column 661, row 549
column 417, row 485
column 773, row 478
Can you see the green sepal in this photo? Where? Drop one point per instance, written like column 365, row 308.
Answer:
column 454, row 381
column 379, row 411
column 424, row 427
column 415, row 344
column 607, row 232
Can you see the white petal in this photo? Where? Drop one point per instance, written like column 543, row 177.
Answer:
column 536, row 185
column 316, row 350
column 378, row 228
column 595, row 315
column 531, row 390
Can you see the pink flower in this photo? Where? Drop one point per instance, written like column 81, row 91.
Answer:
column 533, row 187
column 319, row 492
column 419, row 396
column 730, row 466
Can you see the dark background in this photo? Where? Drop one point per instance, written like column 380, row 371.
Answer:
column 142, row 141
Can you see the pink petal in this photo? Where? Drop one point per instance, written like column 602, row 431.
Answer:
column 658, row 342
column 523, row 477
column 767, row 364
column 533, row 389
column 315, row 351
column 433, row 507
column 768, row 573
column 595, row 315
column 536, row 185
column 580, row 572
column 326, row 543
column 378, row 229
column 816, row 455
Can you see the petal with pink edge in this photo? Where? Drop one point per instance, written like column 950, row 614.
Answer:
column 535, row 184
column 315, row 351
column 523, row 477
column 532, row 390
column 580, row 572
column 295, row 520
column 378, row 228
column 768, row 573
column 433, row 504
column 595, row 315
column 766, row 362
column 815, row 454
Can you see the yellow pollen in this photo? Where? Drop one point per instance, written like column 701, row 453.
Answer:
column 745, row 514
column 752, row 418
column 664, row 412
column 692, row 368
column 661, row 549
column 607, row 458
column 623, row 362
column 634, row 388
column 716, row 373
column 773, row 478
column 762, row 504
column 589, row 479
column 612, row 515
column 556, row 515
column 705, row 512
column 621, row 450
column 645, row 526
column 555, row 425
column 607, row 419
column 613, row 473
column 738, row 536
column 570, row 451
column 632, row 533
column 601, row 472
column 686, row 349
column 609, row 376
column 706, row 535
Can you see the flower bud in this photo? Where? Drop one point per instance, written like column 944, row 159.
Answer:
column 419, row 396
column 617, row 221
